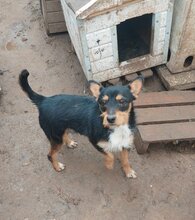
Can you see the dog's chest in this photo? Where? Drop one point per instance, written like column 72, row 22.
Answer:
column 121, row 137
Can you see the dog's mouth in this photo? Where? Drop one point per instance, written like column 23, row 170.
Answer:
column 112, row 126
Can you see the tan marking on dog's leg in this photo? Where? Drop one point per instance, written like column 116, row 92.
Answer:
column 68, row 141
column 109, row 160
column 129, row 172
column 52, row 156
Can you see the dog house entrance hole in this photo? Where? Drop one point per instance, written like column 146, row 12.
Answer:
column 134, row 37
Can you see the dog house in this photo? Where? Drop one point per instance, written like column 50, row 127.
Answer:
column 182, row 42
column 118, row 37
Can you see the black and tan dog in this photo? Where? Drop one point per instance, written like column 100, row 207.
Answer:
column 108, row 120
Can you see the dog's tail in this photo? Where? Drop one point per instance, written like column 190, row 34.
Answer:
column 23, row 81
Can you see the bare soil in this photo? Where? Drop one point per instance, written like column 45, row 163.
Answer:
column 29, row 187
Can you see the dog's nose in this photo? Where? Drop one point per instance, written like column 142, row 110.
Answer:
column 111, row 118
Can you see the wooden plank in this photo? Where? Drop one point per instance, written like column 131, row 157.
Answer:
column 156, row 50
column 104, row 7
column 100, row 22
column 53, row 5
column 179, row 81
column 168, row 30
column 44, row 12
column 54, row 21
column 101, row 65
column 127, row 67
column 100, row 52
column 165, row 114
column 182, row 28
column 131, row 77
column 167, row 132
column 57, row 27
column 54, row 17
column 146, row 73
column 98, row 38
column 166, row 98
column 76, row 4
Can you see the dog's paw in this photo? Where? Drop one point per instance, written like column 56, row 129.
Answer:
column 109, row 166
column 131, row 174
column 72, row 144
column 60, row 167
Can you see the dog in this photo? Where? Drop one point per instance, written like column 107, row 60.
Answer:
column 107, row 118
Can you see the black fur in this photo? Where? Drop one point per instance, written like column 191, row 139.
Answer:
column 35, row 98
column 80, row 113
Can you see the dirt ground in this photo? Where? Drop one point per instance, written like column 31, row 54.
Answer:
column 29, row 187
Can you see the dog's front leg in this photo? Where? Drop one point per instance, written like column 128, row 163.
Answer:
column 109, row 160
column 129, row 172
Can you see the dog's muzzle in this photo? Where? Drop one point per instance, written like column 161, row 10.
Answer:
column 111, row 119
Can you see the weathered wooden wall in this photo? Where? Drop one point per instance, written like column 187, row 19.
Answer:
column 182, row 43
column 53, row 16
column 76, row 32
column 102, row 39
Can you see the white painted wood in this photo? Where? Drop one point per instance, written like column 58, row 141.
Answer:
column 97, row 53
column 163, row 19
column 104, row 6
column 73, row 31
column 99, row 38
column 155, row 39
column 115, row 45
column 160, row 47
column 85, row 7
column 101, row 65
column 162, row 33
column 168, row 30
column 126, row 12
column 132, row 66
column 86, row 61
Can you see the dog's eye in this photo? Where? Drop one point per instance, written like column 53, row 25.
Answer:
column 103, row 102
column 122, row 101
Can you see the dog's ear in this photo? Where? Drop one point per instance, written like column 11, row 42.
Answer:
column 136, row 86
column 95, row 88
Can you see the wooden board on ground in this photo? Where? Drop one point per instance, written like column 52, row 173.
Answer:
column 179, row 81
column 164, row 117
column 130, row 77
column 53, row 16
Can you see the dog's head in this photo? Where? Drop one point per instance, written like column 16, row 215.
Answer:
column 115, row 102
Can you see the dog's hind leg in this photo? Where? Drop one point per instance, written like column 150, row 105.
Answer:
column 52, row 156
column 68, row 140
